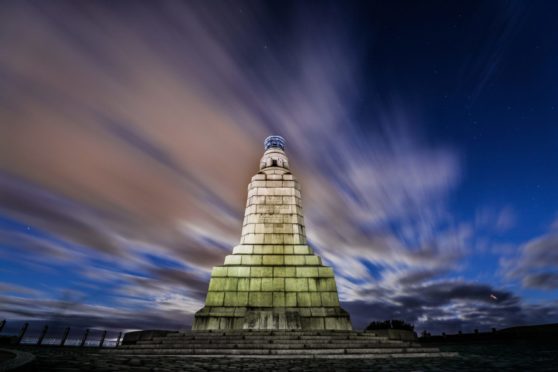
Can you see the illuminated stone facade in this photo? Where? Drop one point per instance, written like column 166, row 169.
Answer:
column 273, row 279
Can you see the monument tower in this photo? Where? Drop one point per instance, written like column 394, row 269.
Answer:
column 273, row 279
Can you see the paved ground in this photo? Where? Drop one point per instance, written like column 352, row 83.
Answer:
column 480, row 357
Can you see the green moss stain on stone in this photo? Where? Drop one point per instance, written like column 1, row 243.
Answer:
column 217, row 284
column 231, row 284
column 219, row 271
column 255, row 284
column 306, row 272
column 278, row 299
column 290, row 299
column 243, row 284
column 260, row 299
column 236, row 299
column 303, row 299
column 214, row 299
column 283, row 272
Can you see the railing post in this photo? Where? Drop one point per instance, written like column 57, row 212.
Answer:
column 22, row 332
column 43, row 334
column 84, row 338
column 2, row 324
column 118, row 339
column 65, row 336
column 103, row 339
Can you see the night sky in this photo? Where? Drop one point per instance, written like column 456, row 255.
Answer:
column 424, row 135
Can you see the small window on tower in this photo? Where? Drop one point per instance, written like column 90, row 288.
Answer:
column 274, row 162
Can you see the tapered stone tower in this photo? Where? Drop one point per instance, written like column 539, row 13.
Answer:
column 273, row 279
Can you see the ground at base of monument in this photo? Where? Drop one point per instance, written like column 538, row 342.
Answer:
column 516, row 356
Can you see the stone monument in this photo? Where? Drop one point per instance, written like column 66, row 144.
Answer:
column 273, row 279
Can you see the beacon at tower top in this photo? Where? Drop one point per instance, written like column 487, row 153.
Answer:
column 274, row 141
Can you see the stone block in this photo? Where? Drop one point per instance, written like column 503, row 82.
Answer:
column 288, row 249
column 232, row 260
column 290, row 299
column 260, row 271
column 329, row 299
column 243, row 249
column 315, row 299
column 248, row 239
column 274, row 177
column 243, row 284
column 283, row 272
column 275, row 184
column 306, row 272
column 288, row 239
column 318, row 311
column 262, row 183
column 260, row 299
column 240, row 311
column 294, row 260
column 278, row 284
column 301, row 249
column 252, row 191
column 248, row 229
column 278, row 299
column 304, row 312
column 312, row 260
column 259, row 238
column 299, row 239
column 336, row 323
column 296, row 284
column 236, row 299
column 312, row 286
column 326, row 285
column 313, row 323
column 238, row 271
column 259, row 177
column 255, row 284
column 268, row 249
column 219, row 271
column 231, row 284
column 273, row 200
column 325, row 272
column 217, row 284
column 290, row 200
column 303, row 299
column 265, row 209
column 273, row 239
column 214, row 298
column 251, row 260
column 267, row 284
column 275, row 260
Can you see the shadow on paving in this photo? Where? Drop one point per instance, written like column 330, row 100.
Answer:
column 515, row 356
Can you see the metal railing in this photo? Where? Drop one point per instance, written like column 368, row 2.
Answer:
column 45, row 339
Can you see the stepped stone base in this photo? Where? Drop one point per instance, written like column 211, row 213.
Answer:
column 278, row 344
column 240, row 318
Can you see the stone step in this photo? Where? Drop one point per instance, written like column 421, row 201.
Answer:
column 274, row 345
column 270, row 346
column 277, row 342
column 256, row 337
column 300, row 356
column 268, row 333
column 267, row 339
column 340, row 351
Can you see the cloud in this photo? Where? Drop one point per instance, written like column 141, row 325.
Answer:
column 536, row 264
